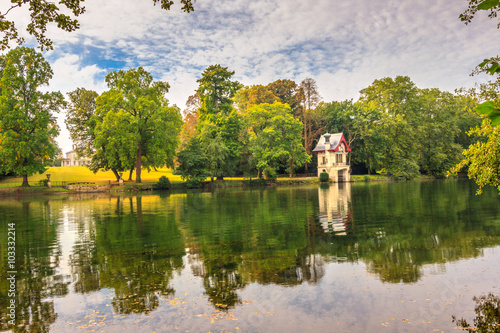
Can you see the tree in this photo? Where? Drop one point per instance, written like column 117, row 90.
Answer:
column 274, row 137
column 43, row 12
column 396, row 104
column 191, row 116
column 78, row 119
column 192, row 164
column 155, row 125
column 216, row 91
column 27, row 125
column 214, row 148
column 310, row 98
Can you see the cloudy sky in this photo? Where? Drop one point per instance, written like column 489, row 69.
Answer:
column 343, row 45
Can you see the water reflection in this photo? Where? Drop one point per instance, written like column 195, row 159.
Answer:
column 487, row 315
column 229, row 240
column 335, row 213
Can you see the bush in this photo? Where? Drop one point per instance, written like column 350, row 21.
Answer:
column 270, row 174
column 163, row 184
column 324, row 177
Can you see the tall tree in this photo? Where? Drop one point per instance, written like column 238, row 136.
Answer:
column 274, row 137
column 78, row 119
column 399, row 116
column 156, row 125
column 191, row 116
column 310, row 98
column 27, row 124
column 43, row 12
column 216, row 90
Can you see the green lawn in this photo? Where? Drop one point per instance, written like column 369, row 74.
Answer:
column 83, row 174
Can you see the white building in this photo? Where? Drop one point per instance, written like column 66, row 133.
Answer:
column 332, row 150
column 72, row 159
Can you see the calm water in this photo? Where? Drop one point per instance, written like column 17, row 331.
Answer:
column 377, row 257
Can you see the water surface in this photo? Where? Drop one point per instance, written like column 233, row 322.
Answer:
column 375, row 257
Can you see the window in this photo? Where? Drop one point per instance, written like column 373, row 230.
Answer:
column 339, row 158
column 324, row 160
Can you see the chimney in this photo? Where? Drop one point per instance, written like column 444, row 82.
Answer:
column 327, row 140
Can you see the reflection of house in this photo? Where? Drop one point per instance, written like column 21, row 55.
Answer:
column 72, row 159
column 332, row 150
column 334, row 211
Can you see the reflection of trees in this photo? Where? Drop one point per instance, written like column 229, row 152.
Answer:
column 245, row 236
column 399, row 227
column 130, row 249
column 37, row 257
column 487, row 315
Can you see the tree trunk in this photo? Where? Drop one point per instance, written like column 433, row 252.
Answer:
column 138, row 164
column 291, row 168
column 116, row 174
column 220, row 177
column 130, row 174
column 25, row 181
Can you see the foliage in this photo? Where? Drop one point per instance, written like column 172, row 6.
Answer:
column 483, row 156
column 27, row 125
column 216, row 91
column 43, row 12
column 78, row 120
column 192, row 164
column 134, row 117
column 274, row 137
column 324, row 177
column 214, row 148
column 487, row 315
column 163, row 184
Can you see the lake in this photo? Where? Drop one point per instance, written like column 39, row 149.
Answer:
column 360, row 257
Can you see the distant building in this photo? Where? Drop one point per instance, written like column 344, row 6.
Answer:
column 73, row 160
column 332, row 150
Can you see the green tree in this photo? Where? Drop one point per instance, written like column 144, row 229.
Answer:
column 216, row 90
column 275, row 137
column 78, row 120
column 27, row 125
column 43, row 12
column 214, row 148
column 398, row 118
column 192, row 163
column 154, row 125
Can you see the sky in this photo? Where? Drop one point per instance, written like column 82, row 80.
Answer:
column 343, row 45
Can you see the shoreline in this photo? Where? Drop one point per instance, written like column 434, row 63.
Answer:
column 135, row 187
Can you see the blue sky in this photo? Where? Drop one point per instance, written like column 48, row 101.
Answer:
column 343, row 45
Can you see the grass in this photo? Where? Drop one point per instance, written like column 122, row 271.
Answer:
column 83, row 174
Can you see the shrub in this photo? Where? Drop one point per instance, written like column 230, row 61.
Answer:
column 270, row 174
column 163, row 184
column 324, row 177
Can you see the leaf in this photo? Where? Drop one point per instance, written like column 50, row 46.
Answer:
column 488, row 4
column 485, row 108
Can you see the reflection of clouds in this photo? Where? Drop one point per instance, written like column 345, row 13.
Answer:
column 334, row 208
